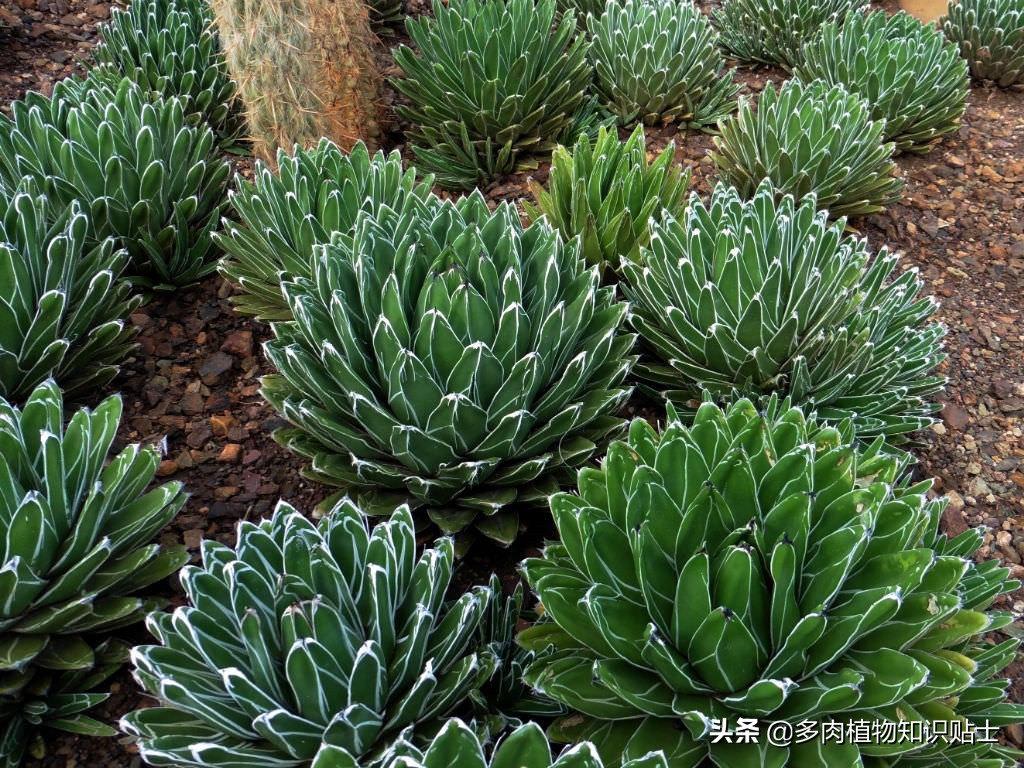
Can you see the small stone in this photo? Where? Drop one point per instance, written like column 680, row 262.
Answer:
column 216, row 365
column 184, row 460
column 192, row 403
column 238, row 343
column 939, row 428
column 225, row 492
column 193, row 537
column 222, row 423
column 953, row 522
column 954, row 417
column 1002, row 389
column 231, row 453
column 166, row 467
column 251, row 456
column 973, row 468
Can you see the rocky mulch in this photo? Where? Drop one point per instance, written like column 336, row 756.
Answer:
column 193, row 387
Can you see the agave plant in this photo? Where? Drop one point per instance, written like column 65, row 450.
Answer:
column 62, row 308
column 451, row 358
column 385, row 12
column 810, row 138
column 495, row 83
column 141, row 172
column 606, row 192
column 759, row 298
column 308, row 646
column 990, row 35
column 74, row 549
column 773, row 31
column 284, row 215
column 910, row 77
column 525, row 747
column 657, row 62
column 759, row 566
column 170, row 48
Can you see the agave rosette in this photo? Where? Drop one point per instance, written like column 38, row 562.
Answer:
column 990, row 36
column 756, row 565
column 308, row 645
column 449, row 357
column 909, row 75
column 755, row 298
column 283, row 215
column 75, row 547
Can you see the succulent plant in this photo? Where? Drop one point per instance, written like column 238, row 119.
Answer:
column 525, row 747
column 284, row 214
column 990, row 35
column 810, row 138
column 140, row 171
column 74, row 548
column 308, row 646
column 385, row 12
column 170, row 48
column 772, row 31
column 451, row 358
column 605, row 192
column 759, row 298
column 909, row 75
column 757, row 565
column 63, row 310
column 494, row 83
column 657, row 62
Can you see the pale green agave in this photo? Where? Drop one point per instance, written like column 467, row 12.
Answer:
column 75, row 535
column 756, row 565
column 283, row 215
column 63, row 309
column 170, row 48
column 657, row 62
column 990, row 36
column 451, row 358
column 492, row 84
column 606, row 192
column 312, row 646
column 772, row 31
column 759, row 298
column 457, row 746
column 911, row 78
column 141, row 172
column 810, row 138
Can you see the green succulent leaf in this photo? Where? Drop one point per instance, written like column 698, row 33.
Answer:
column 990, row 36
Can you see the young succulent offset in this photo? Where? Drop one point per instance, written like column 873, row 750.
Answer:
column 911, row 78
column 75, row 547
column 657, row 62
column 63, row 309
column 311, row 646
column 457, row 746
column 759, row 298
column 492, row 84
column 990, row 35
column 758, row 566
column 141, row 172
column 772, row 31
column 605, row 192
column 810, row 138
column 170, row 48
column 450, row 357
column 285, row 213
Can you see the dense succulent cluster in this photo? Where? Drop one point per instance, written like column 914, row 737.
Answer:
column 810, row 138
column 909, row 75
column 285, row 214
column 491, row 84
column 451, row 357
column 525, row 747
column 606, row 192
column 63, row 308
column 75, row 546
column 756, row 565
column 759, row 298
column 170, row 48
column 773, row 31
column 141, row 172
column 308, row 646
column 657, row 62
column 990, row 36
column 385, row 12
